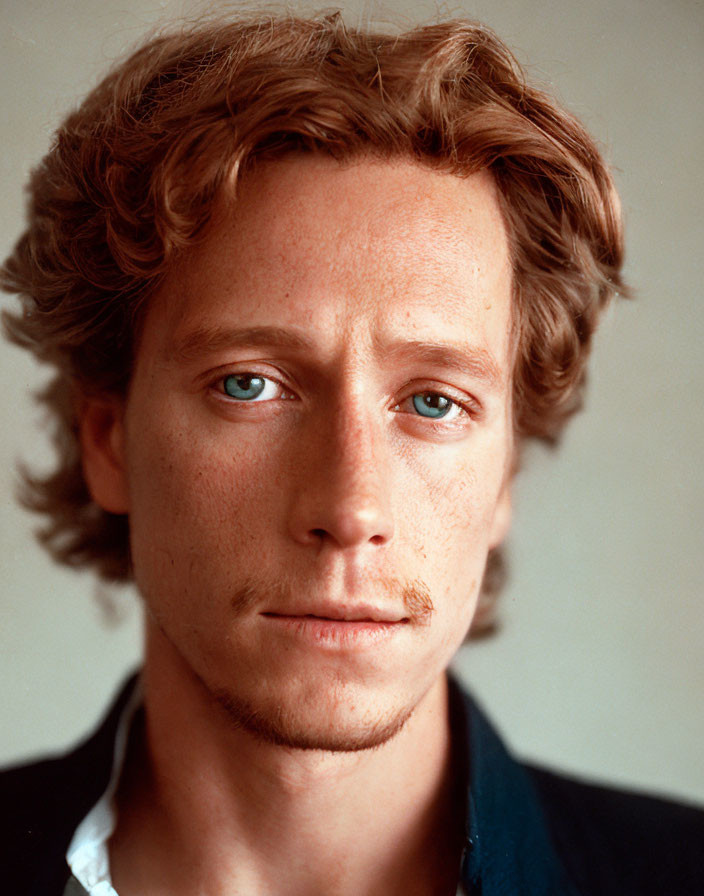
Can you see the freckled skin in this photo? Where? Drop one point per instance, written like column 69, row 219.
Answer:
column 340, row 491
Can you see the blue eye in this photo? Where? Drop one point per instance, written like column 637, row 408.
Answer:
column 244, row 386
column 432, row 404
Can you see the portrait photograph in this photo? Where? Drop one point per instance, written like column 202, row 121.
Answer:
column 351, row 532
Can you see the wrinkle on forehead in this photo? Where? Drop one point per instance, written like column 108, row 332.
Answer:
column 412, row 251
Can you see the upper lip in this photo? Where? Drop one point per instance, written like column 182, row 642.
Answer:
column 343, row 613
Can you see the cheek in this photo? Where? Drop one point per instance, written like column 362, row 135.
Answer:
column 454, row 500
column 198, row 506
column 451, row 494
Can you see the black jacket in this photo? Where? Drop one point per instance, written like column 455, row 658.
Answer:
column 529, row 832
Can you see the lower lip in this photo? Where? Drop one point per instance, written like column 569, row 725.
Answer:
column 336, row 632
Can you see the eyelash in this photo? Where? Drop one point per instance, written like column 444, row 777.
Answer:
column 252, row 375
column 457, row 408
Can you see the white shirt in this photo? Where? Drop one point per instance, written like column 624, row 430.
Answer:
column 87, row 854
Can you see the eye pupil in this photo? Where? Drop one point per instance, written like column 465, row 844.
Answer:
column 244, row 386
column 431, row 404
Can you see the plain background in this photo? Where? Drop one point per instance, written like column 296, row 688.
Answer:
column 598, row 667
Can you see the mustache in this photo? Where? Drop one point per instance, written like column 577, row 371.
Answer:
column 413, row 596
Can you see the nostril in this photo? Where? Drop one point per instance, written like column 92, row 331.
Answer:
column 319, row 533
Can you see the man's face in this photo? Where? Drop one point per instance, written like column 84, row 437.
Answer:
column 317, row 443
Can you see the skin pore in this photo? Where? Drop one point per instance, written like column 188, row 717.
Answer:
column 315, row 457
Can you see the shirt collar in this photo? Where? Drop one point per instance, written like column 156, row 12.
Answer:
column 87, row 854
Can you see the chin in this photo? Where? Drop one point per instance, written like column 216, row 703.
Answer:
column 330, row 725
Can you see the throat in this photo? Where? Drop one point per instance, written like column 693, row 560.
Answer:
column 389, row 821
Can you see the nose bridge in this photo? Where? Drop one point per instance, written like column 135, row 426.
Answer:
column 355, row 443
column 345, row 496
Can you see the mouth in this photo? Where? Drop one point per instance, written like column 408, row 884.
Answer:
column 339, row 628
column 346, row 614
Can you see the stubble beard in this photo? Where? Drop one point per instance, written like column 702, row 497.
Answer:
column 286, row 725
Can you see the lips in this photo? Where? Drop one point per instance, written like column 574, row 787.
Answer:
column 348, row 629
column 337, row 613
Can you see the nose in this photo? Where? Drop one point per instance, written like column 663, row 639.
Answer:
column 343, row 488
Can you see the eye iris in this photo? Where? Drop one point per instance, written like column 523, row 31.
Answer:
column 430, row 404
column 244, row 386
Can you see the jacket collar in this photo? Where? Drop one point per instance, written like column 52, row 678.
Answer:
column 508, row 848
column 56, row 795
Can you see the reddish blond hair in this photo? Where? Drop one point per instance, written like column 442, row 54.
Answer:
column 133, row 173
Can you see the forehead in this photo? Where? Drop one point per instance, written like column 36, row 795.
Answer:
column 348, row 249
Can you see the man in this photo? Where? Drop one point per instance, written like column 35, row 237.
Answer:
column 307, row 290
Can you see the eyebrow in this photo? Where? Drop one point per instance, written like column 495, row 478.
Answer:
column 208, row 340
column 475, row 361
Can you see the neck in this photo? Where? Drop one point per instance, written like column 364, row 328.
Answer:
column 206, row 806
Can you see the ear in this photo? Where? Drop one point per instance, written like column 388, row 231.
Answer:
column 102, row 437
column 502, row 514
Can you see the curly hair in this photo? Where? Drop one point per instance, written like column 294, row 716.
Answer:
column 131, row 178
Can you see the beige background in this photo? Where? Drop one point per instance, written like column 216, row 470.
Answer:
column 599, row 665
